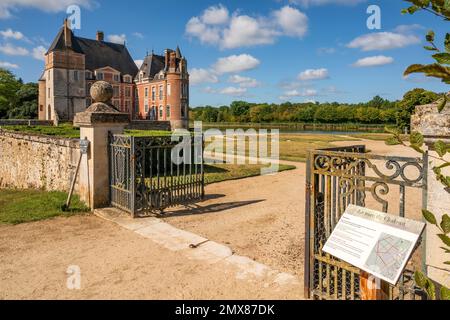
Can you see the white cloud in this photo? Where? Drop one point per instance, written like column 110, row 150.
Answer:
column 310, row 3
column 383, row 41
column 408, row 28
column 235, row 64
column 12, row 50
column 215, row 15
column 296, row 93
column 293, row 22
column 245, row 31
column 244, row 82
column 117, row 38
column 229, row 91
column 373, row 61
column 215, row 27
column 138, row 35
column 39, row 52
column 313, row 74
column 207, row 35
column 9, row 6
column 8, row 65
column 198, row 75
column 233, row 91
column 139, row 63
column 11, row 34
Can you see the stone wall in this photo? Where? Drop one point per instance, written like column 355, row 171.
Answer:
column 34, row 161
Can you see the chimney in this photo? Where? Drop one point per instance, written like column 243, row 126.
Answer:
column 100, row 36
column 173, row 60
column 166, row 54
column 67, row 34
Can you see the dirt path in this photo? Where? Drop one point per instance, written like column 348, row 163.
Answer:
column 263, row 217
column 115, row 264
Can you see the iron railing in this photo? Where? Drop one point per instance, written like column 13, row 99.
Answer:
column 145, row 180
column 338, row 177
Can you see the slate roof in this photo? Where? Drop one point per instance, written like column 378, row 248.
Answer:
column 152, row 65
column 99, row 54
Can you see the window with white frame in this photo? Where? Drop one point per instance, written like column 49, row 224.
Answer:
column 167, row 112
column 161, row 112
column 146, row 106
column 146, row 92
column 99, row 75
column 127, row 92
column 153, row 93
column 116, row 91
column 161, row 92
column 168, row 89
column 116, row 78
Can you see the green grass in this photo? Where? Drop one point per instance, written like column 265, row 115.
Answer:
column 223, row 172
column 19, row 206
column 63, row 130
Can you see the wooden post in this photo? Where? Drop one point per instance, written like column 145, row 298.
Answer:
column 373, row 288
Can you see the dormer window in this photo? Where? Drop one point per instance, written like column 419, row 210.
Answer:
column 116, row 78
column 127, row 79
column 141, row 75
column 88, row 74
column 99, row 76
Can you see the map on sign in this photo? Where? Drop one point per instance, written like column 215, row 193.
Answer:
column 375, row 242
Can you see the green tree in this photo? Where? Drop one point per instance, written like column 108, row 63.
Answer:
column 406, row 107
column 9, row 85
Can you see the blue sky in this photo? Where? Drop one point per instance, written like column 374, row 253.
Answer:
column 259, row 51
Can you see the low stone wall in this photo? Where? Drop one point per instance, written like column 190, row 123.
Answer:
column 34, row 161
column 19, row 122
column 149, row 125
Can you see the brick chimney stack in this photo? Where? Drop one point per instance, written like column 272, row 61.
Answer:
column 100, row 36
column 67, row 34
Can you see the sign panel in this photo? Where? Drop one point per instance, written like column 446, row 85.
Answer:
column 376, row 242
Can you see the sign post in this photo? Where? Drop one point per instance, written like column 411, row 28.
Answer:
column 377, row 243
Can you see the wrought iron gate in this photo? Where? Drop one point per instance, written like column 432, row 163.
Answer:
column 338, row 177
column 144, row 179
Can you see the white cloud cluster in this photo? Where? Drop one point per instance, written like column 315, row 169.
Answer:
column 11, row 34
column 199, row 75
column 9, row 6
column 8, row 65
column 296, row 93
column 39, row 52
column 383, row 41
column 217, row 27
column 373, row 61
column 314, row 74
column 244, row 82
column 235, row 64
column 231, row 64
column 12, row 50
column 117, row 38
column 229, row 91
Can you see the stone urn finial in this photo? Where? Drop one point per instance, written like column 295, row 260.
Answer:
column 102, row 110
column 102, row 91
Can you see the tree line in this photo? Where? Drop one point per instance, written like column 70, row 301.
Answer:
column 18, row 100
column 376, row 111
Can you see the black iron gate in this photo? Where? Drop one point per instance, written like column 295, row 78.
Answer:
column 338, row 177
column 144, row 179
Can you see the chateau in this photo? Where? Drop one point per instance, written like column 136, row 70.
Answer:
column 158, row 91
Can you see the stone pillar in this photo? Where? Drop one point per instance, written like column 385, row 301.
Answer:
column 435, row 126
column 100, row 119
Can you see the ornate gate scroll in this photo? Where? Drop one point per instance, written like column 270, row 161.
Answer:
column 338, row 177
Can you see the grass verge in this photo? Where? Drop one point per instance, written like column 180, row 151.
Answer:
column 19, row 206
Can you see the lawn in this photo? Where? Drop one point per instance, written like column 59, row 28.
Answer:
column 19, row 206
column 223, row 172
column 294, row 147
